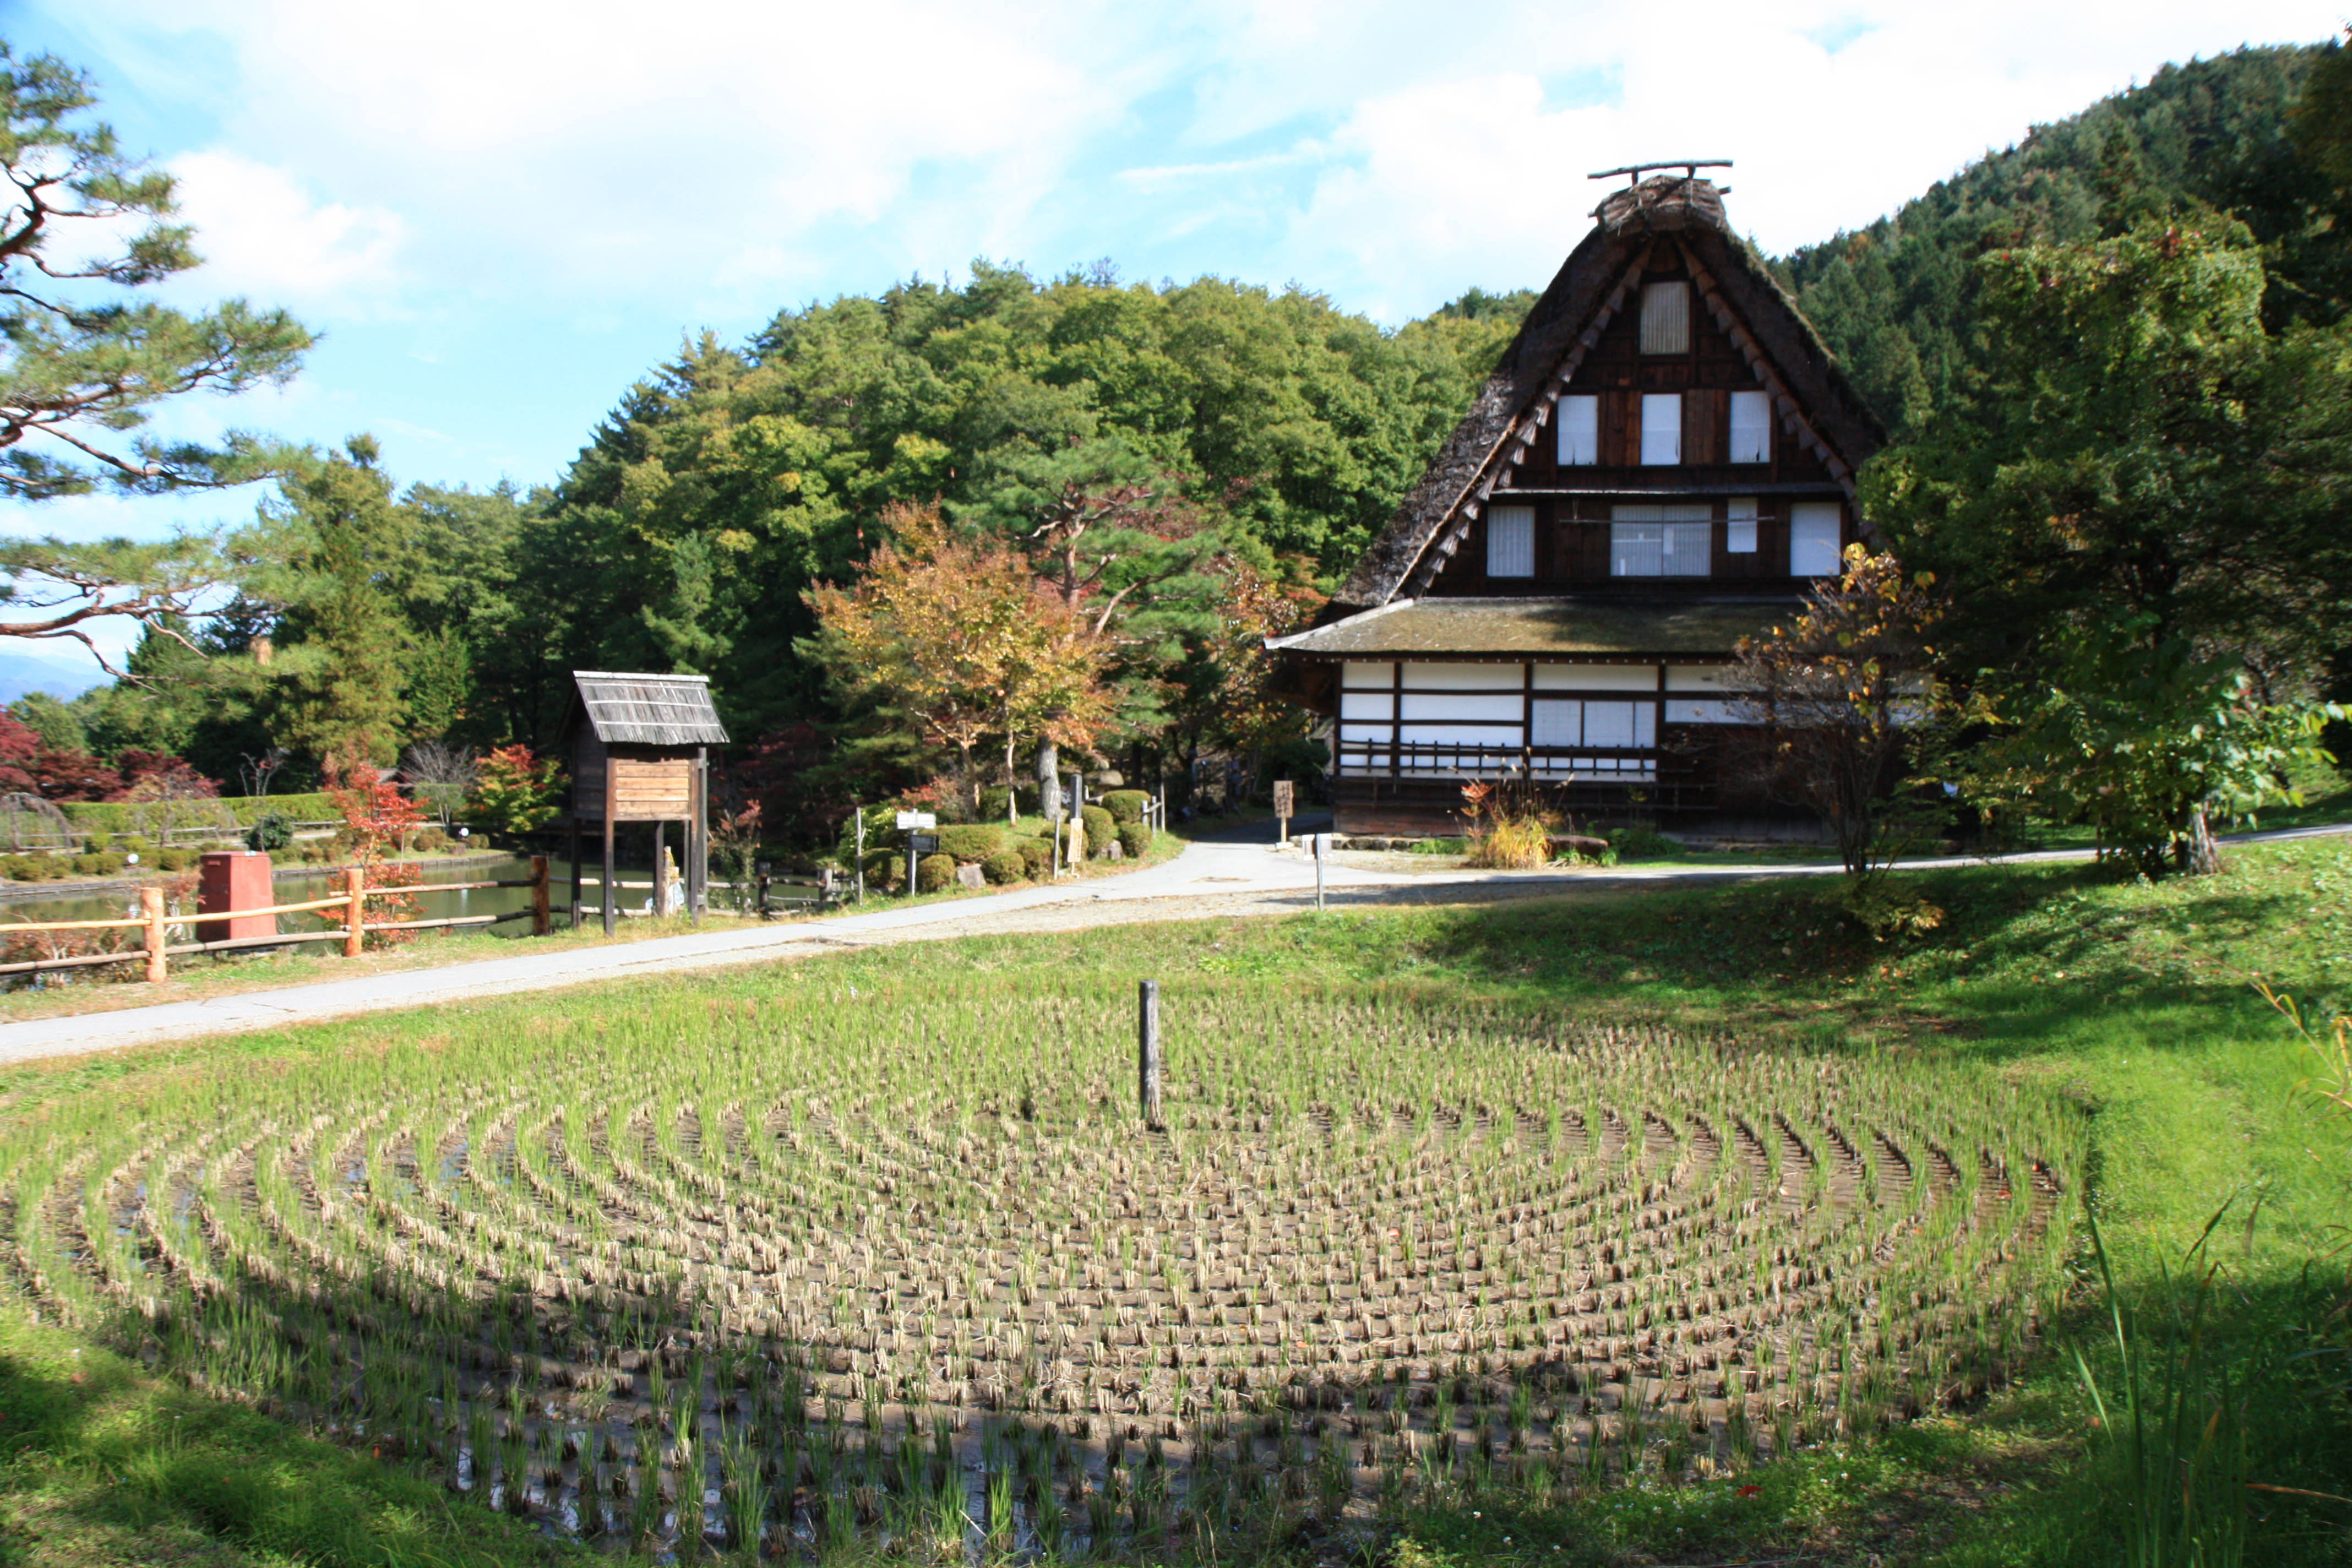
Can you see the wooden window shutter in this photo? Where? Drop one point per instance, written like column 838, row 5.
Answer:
column 1704, row 414
column 1621, row 431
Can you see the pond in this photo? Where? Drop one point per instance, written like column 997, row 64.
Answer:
column 295, row 886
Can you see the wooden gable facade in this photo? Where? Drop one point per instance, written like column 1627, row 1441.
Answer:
column 1660, row 465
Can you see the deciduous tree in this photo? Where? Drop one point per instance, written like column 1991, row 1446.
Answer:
column 958, row 639
column 1840, row 697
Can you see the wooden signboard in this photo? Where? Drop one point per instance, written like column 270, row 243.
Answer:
column 644, row 789
column 1285, row 798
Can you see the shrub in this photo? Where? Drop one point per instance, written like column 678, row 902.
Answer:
column 991, row 802
column 1641, row 843
column 1134, row 838
column 1036, row 856
column 136, row 844
column 881, row 833
column 1126, row 804
column 101, row 865
column 885, row 871
column 1101, row 828
column 273, row 832
column 17, row 867
column 175, row 859
column 431, row 841
column 972, row 841
column 1006, row 865
column 935, row 873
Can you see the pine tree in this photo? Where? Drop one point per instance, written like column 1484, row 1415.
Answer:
column 347, row 633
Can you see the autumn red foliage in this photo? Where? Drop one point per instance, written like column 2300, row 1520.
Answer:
column 377, row 820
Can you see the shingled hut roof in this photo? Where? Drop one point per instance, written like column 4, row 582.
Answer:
column 1811, row 393
column 637, row 710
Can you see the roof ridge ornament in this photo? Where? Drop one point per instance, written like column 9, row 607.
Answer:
column 1689, row 166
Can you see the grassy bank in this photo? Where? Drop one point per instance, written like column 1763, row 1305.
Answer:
column 2133, row 1000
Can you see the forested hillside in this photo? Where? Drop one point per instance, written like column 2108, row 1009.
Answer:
column 1896, row 300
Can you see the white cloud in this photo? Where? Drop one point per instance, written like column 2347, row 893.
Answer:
column 263, row 236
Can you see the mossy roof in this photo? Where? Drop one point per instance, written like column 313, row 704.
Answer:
column 1542, row 629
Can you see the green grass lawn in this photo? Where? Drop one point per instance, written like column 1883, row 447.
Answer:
column 2136, row 999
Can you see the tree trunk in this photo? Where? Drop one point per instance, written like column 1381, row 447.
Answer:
column 1049, row 779
column 2198, row 855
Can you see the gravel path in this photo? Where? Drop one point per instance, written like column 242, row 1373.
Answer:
column 1211, row 879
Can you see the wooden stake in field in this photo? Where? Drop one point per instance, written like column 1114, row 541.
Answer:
column 1147, row 1052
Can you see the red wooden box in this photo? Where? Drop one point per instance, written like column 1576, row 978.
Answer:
column 235, row 879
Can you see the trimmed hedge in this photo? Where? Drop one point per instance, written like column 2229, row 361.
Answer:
column 115, row 815
column 1134, row 838
column 1126, row 804
column 935, row 873
column 1036, row 856
column 972, row 840
column 1006, row 865
column 1101, row 829
column 885, row 871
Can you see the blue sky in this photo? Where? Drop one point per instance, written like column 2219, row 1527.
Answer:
column 499, row 214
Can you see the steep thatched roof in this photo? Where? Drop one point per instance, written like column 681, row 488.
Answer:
column 1816, row 404
column 637, row 709
column 1570, row 628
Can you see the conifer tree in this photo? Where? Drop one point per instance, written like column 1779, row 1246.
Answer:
column 346, row 674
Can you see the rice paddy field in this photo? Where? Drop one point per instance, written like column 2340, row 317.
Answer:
column 1563, row 1232
column 907, row 1264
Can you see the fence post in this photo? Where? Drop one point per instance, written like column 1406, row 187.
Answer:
column 354, row 911
column 541, row 921
column 151, row 908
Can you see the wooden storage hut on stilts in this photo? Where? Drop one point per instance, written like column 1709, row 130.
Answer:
column 639, row 746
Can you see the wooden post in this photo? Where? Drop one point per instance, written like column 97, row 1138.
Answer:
column 859, row 813
column 1322, row 842
column 575, row 871
column 1147, row 1052
column 542, row 922
column 356, row 910
column 698, row 860
column 151, row 908
column 661, row 882
column 611, row 913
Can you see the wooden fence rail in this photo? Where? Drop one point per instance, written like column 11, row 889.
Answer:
column 157, row 947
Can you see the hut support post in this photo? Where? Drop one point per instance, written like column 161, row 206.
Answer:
column 661, row 872
column 611, row 893
column 575, row 871
column 698, row 839
column 542, row 922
